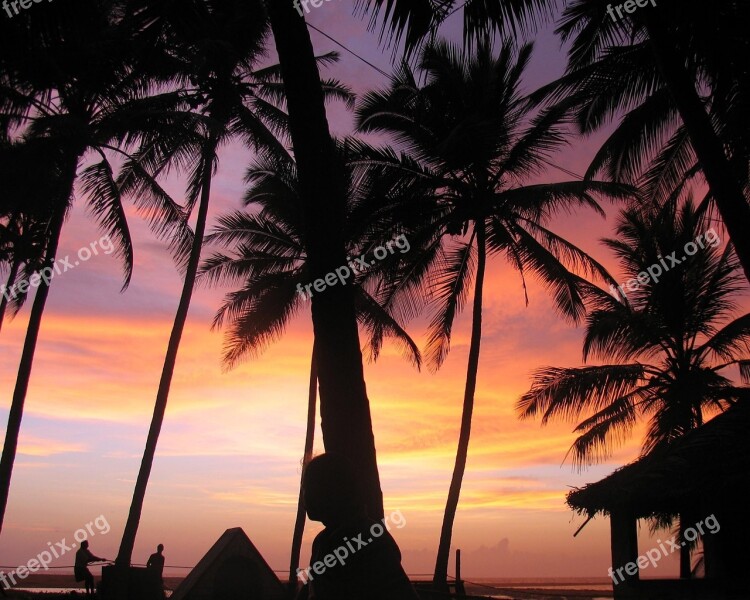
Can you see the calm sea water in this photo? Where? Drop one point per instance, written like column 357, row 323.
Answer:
column 498, row 588
column 52, row 590
column 600, row 588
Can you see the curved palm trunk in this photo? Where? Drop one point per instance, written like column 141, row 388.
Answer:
column 27, row 356
column 728, row 195
column 344, row 405
column 299, row 523
column 125, row 553
column 440, row 577
column 15, row 266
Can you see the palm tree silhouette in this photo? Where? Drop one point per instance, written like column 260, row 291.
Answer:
column 664, row 345
column 21, row 247
column 471, row 149
column 341, row 375
column 25, row 215
column 65, row 73
column 662, row 72
column 265, row 253
column 214, row 49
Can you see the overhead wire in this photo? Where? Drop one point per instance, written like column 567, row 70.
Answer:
column 379, row 70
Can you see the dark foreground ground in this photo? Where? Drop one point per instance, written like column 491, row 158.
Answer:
column 47, row 581
column 65, row 581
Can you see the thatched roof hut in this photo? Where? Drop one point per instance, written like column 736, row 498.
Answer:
column 707, row 465
column 703, row 474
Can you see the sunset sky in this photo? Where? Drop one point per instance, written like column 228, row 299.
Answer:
column 230, row 449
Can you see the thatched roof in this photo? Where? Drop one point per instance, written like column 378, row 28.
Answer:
column 220, row 566
column 708, row 465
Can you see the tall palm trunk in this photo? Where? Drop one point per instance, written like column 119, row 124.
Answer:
column 125, row 553
column 299, row 523
column 14, row 268
column 730, row 200
column 29, row 348
column 344, row 406
column 440, row 577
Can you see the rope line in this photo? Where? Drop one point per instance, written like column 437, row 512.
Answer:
column 98, row 564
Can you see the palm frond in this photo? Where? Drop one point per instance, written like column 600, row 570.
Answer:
column 567, row 289
column 105, row 203
column 165, row 217
column 258, row 314
column 378, row 323
column 568, row 392
column 451, row 283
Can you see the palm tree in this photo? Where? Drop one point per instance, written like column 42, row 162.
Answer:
column 677, row 83
column 472, row 146
column 21, row 248
column 214, row 49
column 664, row 346
column 208, row 53
column 24, row 213
column 265, row 253
column 75, row 86
column 58, row 98
column 24, row 158
column 71, row 83
column 27, row 204
column 342, row 386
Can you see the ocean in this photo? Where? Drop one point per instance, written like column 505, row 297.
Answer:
column 592, row 588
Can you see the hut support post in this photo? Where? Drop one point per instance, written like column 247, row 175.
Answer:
column 624, row 552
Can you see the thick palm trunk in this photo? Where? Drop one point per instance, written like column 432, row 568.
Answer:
column 27, row 356
column 344, row 406
column 441, row 564
column 730, row 200
column 299, row 523
column 15, row 266
column 125, row 553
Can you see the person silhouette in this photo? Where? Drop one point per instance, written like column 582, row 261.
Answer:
column 156, row 563
column 81, row 569
column 354, row 556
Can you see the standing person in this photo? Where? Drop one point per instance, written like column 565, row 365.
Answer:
column 156, row 563
column 372, row 570
column 81, row 569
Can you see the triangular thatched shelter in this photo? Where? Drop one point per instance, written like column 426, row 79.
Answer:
column 232, row 569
